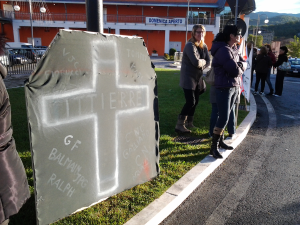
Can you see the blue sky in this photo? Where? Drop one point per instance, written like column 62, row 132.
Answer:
column 280, row 6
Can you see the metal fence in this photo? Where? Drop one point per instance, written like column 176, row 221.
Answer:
column 21, row 60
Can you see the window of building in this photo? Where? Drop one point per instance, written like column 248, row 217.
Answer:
column 199, row 17
column 225, row 15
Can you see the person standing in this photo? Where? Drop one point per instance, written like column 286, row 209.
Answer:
column 228, row 66
column 254, row 54
column 273, row 59
column 194, row 60
column 280, row 73
column 262, row 66
column 214, row 114
column 14, row 190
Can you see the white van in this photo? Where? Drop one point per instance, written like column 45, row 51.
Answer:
column 18, row 45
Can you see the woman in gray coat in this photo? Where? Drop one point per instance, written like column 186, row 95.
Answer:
column 194, row 60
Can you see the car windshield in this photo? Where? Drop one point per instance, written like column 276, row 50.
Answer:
column 295, row 62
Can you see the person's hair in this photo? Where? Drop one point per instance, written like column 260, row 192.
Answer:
column 263, row 50
column 249, row 44
column 269, row 47
column 284, row 48
column 225, row 34
column 193, row 39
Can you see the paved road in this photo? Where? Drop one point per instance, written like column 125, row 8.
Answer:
column 260, row 181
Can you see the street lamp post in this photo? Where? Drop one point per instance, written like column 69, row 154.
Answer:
column 236, row 11
column 30, row 12
column 258, row 20
column 187, row 21
column 42, row 10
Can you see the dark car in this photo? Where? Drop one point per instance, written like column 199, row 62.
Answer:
column 15, row 58
column 28, row 53
column 295, row 66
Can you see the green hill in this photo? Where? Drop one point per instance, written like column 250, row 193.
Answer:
column 286, row 30
column 271, row 14
column 275, row 20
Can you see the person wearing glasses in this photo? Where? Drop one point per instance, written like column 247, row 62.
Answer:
column 194, row 60
column 228, row 66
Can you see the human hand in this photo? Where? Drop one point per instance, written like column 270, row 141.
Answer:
column 201, row 63
column 242, row 65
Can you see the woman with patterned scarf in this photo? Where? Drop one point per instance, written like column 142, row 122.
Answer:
column 194, row 60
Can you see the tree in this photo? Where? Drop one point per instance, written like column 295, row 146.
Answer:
column 294, row 47
column 259, row 39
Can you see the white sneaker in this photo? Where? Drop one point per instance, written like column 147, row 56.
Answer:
column 231, row 136
column 262, row 93
column 255, row 92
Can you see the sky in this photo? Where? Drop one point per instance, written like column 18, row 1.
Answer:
column 280, row 6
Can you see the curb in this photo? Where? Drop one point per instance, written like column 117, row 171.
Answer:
column 162, row 207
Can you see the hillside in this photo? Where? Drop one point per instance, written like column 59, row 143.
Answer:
column 283, row 25
column 274, row 20
column 286, row 30
column 272, row 14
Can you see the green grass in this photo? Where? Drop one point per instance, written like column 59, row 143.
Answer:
column 176, row 159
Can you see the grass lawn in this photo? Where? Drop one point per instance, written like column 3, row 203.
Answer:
column 176, row 159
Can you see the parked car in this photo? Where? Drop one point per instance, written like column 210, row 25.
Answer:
column 295, row 66
column 15, row 58
column 27, row 52
column 40, row 50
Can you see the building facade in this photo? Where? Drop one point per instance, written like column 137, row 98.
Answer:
column 162, row 24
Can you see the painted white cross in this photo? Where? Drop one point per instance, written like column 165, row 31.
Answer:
column 123, row 100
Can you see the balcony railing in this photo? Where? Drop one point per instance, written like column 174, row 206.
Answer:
column 81, row 17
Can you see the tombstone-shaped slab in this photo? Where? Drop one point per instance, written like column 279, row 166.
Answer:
column 93, row 121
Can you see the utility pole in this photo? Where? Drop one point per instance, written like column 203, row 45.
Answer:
column 256, row 29
column 94, row 15
column 187, row 21
column 30, row 13
column 236, row 11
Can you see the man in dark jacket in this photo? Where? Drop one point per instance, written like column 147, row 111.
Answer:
column 14, row 189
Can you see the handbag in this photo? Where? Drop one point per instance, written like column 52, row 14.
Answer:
column 285, row 66
column 210, row 76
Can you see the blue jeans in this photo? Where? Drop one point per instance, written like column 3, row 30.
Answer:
column 214, row 116
column 268, row 80
column 226, row 97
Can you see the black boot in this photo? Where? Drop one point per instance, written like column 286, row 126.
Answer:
column 223, row 145
column 214, row 147
column 271, row 92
